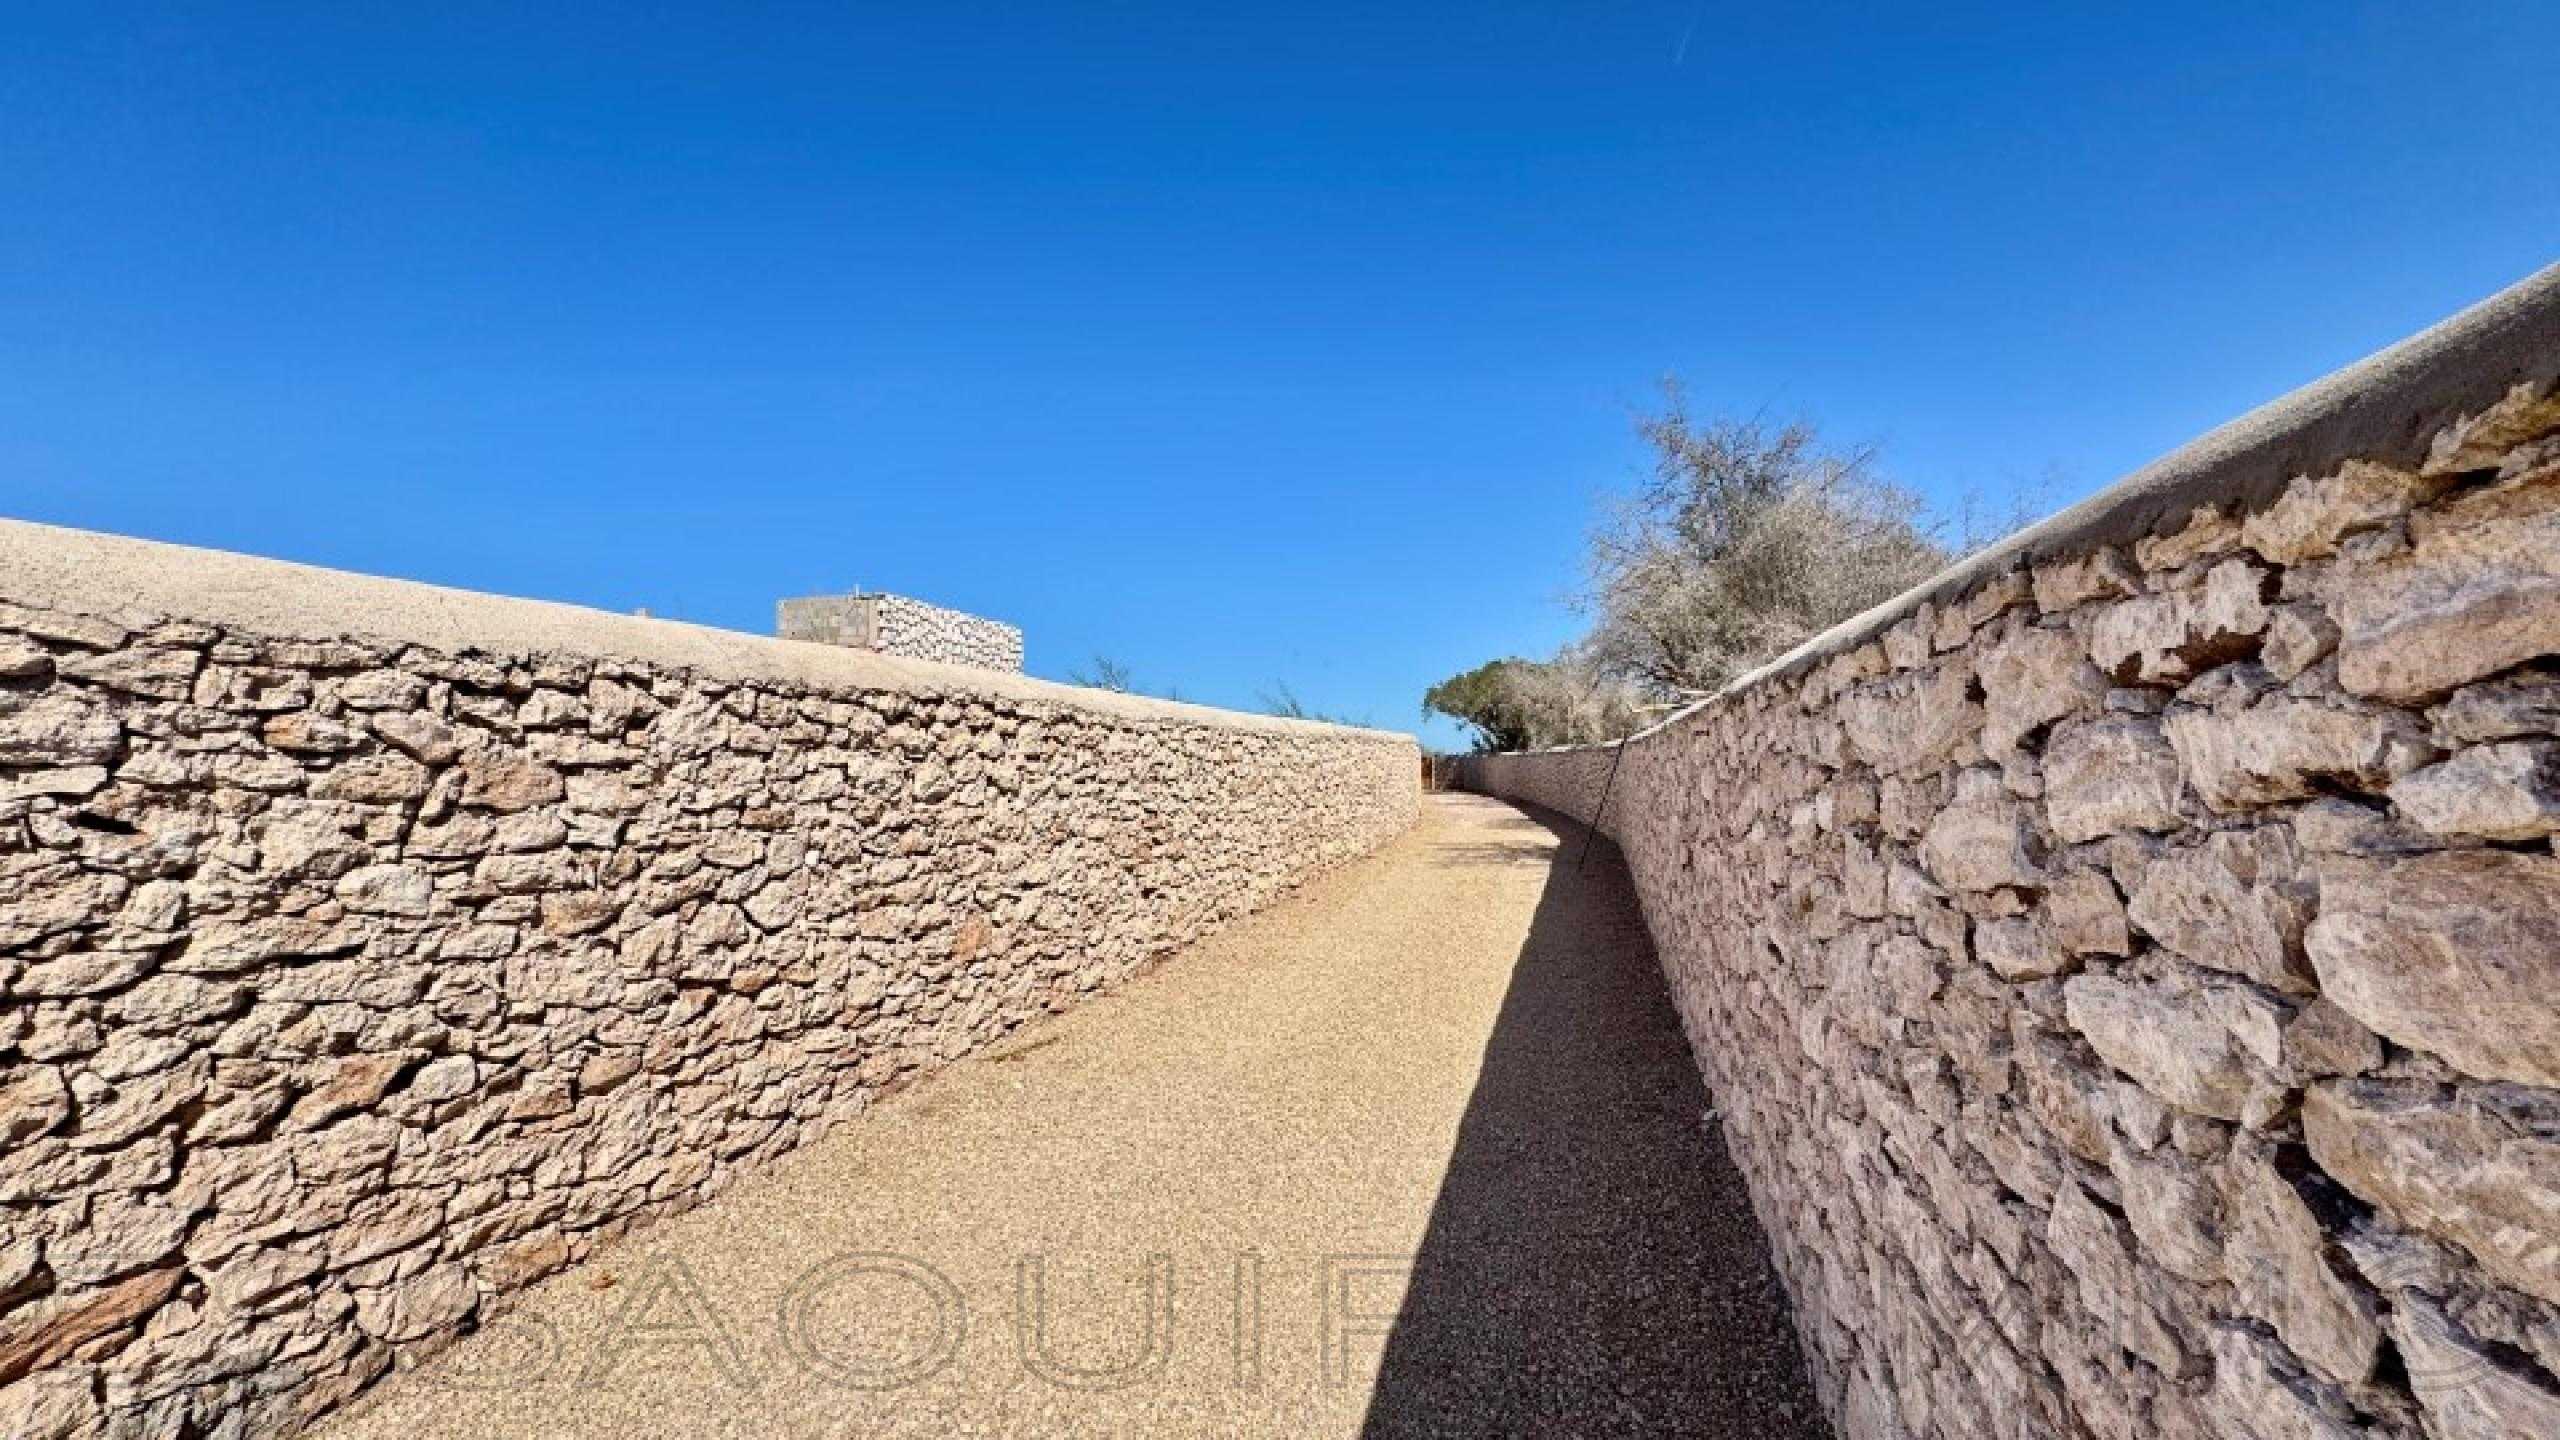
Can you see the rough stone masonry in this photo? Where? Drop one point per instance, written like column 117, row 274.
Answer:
column 897, row 625
column 370, row 950
column 2128, row 970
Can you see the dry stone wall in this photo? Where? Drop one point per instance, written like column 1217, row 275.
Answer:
column 900, row 626
column 897, row 625
column 2130, row 977
column 368, row 951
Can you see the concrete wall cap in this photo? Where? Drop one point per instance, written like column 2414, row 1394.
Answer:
column 117, row 577
column 2384, row 407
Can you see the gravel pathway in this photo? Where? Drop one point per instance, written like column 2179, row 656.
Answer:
column 1416, row 1153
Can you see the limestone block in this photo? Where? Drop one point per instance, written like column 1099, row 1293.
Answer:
column 2504, row 791
column 1982, row 846
column 2112, row 775
column 59, row 729
column 2285, row 748
column 386, row 890
column 2523, row 704
column 2333, row 826
column 373, row 779
column 2480, row 1168
column 44, row 1334
column 2257, row 1393
column 2031, row 679
column 2068, row 1095
column 2278, row 1257
column 507, row 782
column 23, row 659
column 2314, row 514
column 2298, row 637
column 2097, row 1250
column 2469, row 1390
column 2172, row 1040
column 2324, row 1040
column 1911, row 721
column 435, row 1299
column 2466, row 602
column 2238, row 902
column 160, row 674
column 2021, row 948
column 2169, row 637
column 2174, row 1208
column 2457, row 953
column 2085, row 915
column 33, row 1101
column 58, row 1404
column 307, row 733
column 421, row 737
column 83, row 973
column 2068, row 583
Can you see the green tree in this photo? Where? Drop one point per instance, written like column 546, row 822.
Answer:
column 1516, row 704
column 1485, row 700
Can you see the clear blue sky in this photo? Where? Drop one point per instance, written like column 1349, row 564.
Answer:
column 1244, row 344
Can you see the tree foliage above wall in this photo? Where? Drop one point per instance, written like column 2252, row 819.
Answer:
column 1745, row 540
column 1519, row 704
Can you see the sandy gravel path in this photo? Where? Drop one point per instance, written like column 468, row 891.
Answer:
column 1416, row 1153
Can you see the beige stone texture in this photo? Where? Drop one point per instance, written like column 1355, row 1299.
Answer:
column 369, row 950
column 2238, row 1074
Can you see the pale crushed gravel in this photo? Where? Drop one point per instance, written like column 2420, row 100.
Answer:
column 1454, row 1056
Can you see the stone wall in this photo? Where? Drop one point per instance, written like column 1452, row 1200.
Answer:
column 369, row 950
column 897, row 625
column 2128, row 970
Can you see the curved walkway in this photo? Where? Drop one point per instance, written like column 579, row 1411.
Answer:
column 1416, row 1153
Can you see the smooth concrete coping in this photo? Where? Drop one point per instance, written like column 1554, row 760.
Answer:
column 2385, row 408
column 119, row 578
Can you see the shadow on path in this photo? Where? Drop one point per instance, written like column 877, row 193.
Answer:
column 1592, row 1265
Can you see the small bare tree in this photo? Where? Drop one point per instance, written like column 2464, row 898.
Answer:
column 1283, row 701
column 1746, row 540
column 1105, row 674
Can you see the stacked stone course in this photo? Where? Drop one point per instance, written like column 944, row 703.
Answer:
column 353, row 976
column 897, row 625
column 2131, row 981
column 931, row 632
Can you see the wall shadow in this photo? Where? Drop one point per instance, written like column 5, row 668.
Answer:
column 1592, row 1266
